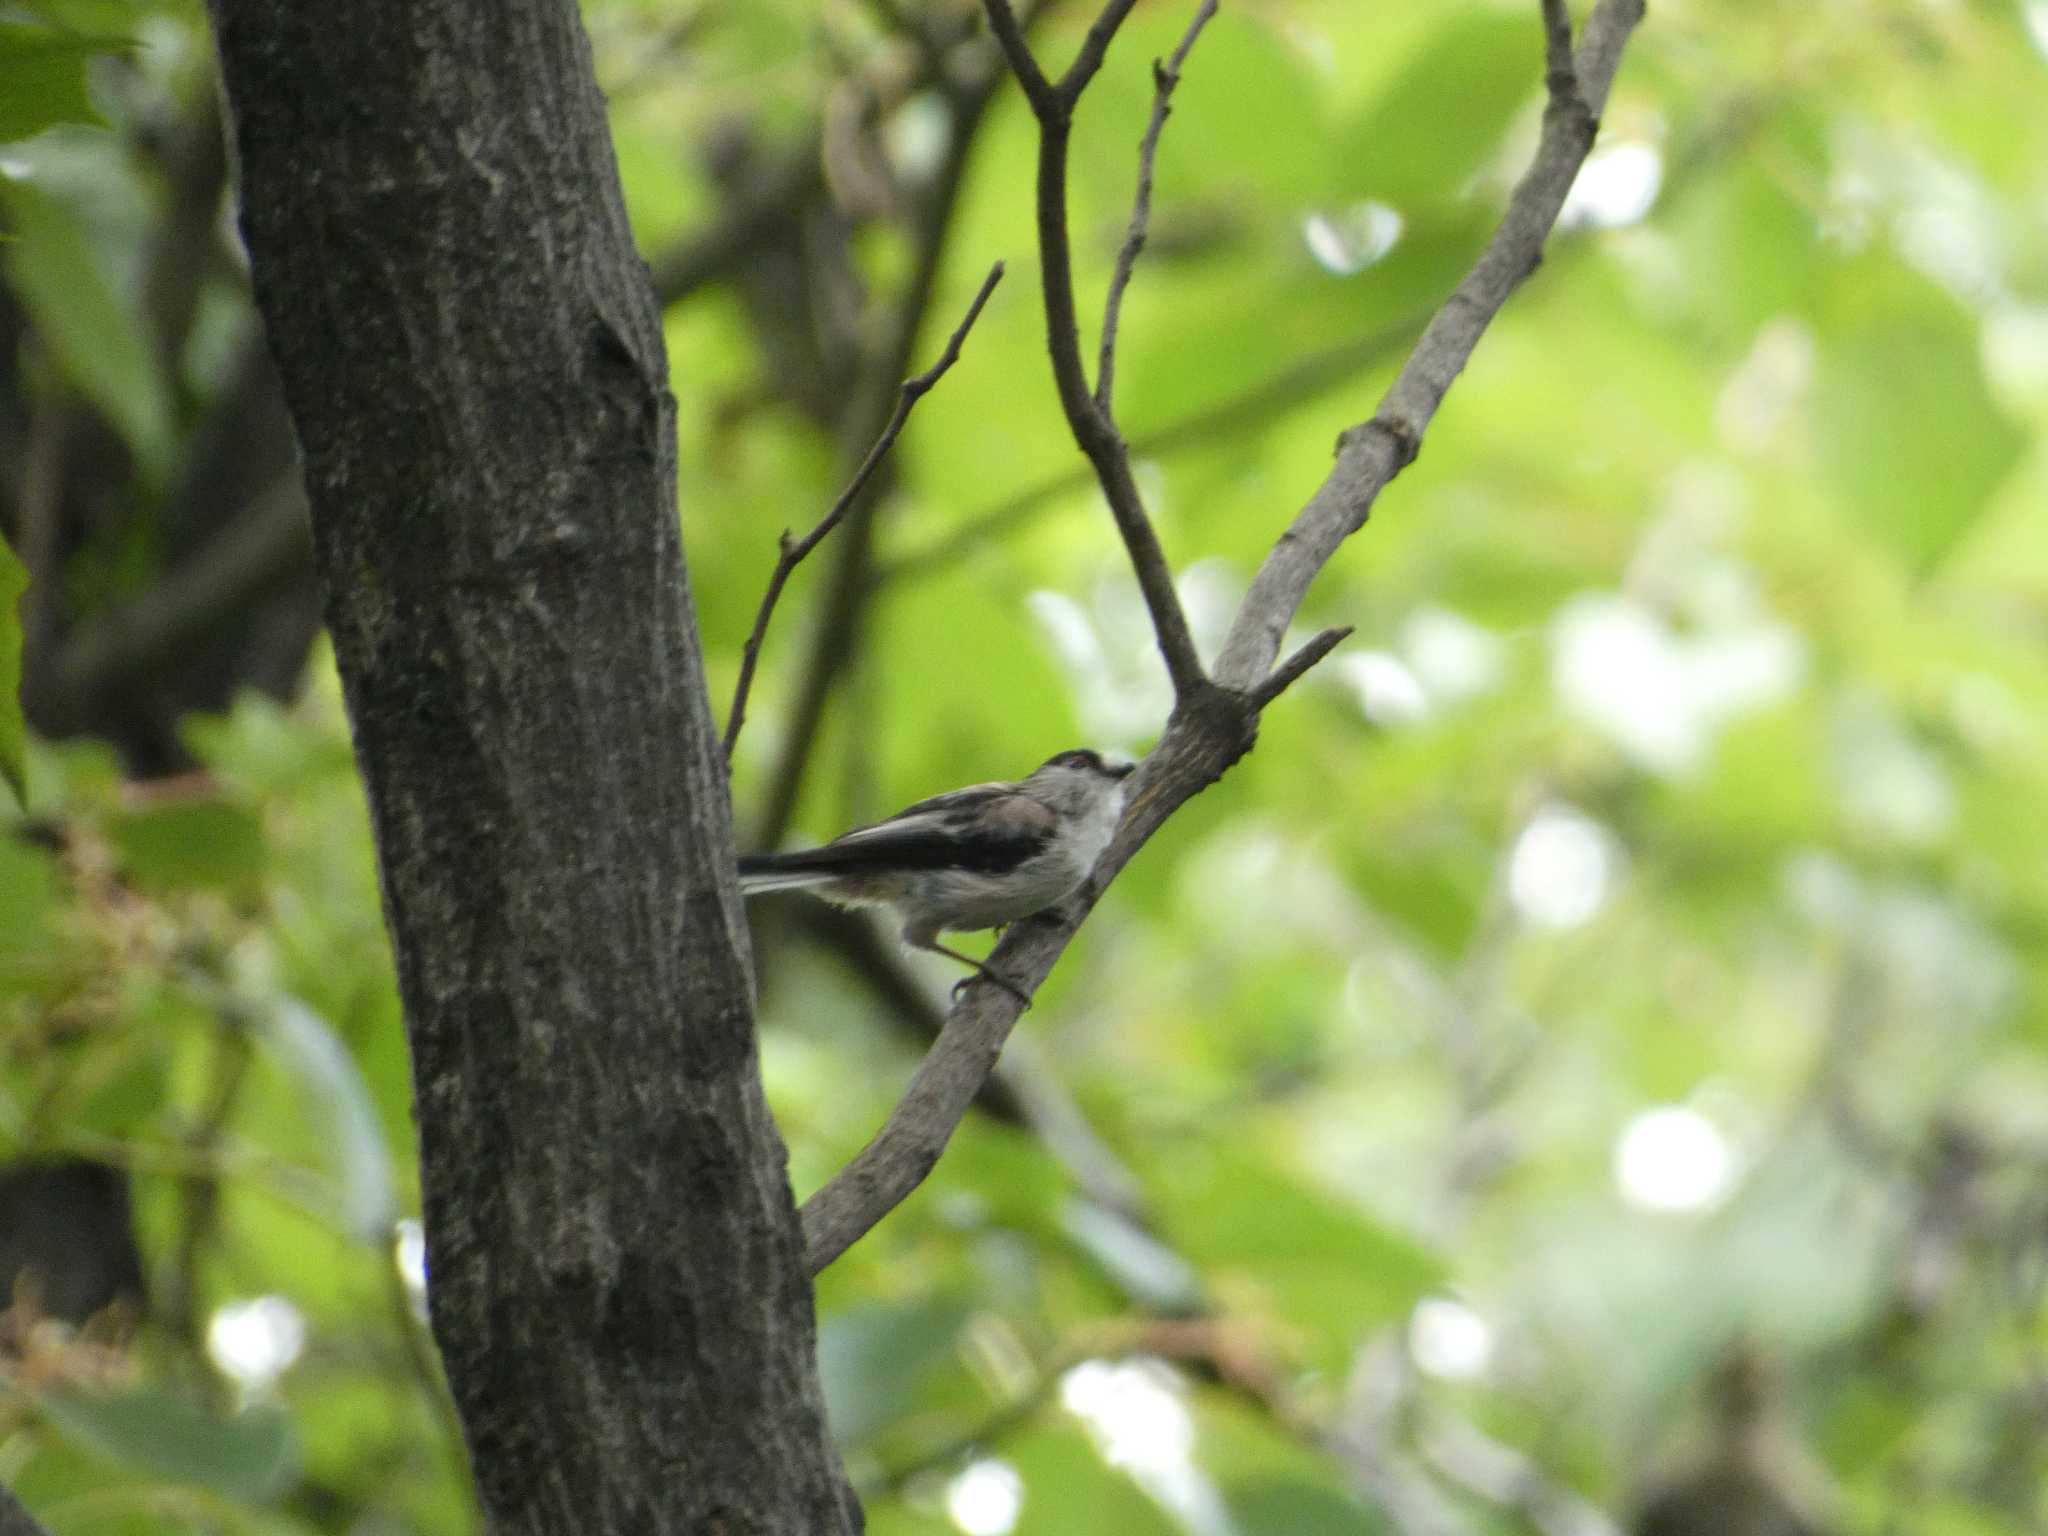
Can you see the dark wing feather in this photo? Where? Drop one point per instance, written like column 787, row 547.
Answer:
column 988, row 828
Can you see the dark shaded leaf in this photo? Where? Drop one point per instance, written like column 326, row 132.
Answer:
column 250, row 1456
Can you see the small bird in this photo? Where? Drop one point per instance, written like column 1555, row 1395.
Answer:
column 978, row 857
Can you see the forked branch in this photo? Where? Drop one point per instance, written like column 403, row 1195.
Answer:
column 1212, row 726
column 1094, row 432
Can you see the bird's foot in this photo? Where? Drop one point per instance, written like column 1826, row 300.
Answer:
column 994, row 978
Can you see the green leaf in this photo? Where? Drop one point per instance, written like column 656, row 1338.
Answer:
column 250, row 1456
column 1444, row 114
column 1069, row 1492
column 873, row 1359
column 1321, row 1263
column 195, row 842
column 259, row 746
column 13, row 726
column 96, row 336
column 42, row 77
column 1909, row 432
column 1273, row 1484
column 1279, row 1508
column 29, row 894
column 322, row 1065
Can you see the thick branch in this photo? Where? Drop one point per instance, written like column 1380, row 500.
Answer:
column 1212, row 729
column 1200, row 743
column 1559, row 77
column 793, row 553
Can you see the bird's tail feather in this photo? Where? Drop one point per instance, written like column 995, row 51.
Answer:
column 778, row 872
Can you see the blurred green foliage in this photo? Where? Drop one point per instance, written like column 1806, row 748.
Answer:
column 1596, row 1041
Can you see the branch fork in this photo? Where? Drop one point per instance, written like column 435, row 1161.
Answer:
column 1216, row 712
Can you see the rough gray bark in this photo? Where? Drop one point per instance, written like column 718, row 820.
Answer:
column 473, row 360
column 14, row 1520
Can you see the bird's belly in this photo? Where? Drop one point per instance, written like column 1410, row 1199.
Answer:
column 965, row 902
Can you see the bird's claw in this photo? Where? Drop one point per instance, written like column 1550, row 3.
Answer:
column 994, row 979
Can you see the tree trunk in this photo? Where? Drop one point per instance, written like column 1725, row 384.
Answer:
column 473, row 361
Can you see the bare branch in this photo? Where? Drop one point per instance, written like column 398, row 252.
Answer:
column 793, row 552
column 1291, row 671
column 1559, row 77
column 1164, row 78
column 835, row 641
column 1094, row 48
column 1308, row 378
column 1212, row 726
column 1094, row 433
column 1371, row 454
column 1023, row 64
column 1201, row 741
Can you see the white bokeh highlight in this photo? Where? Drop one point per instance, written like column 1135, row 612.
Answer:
column 986, row 1498
column 1563, row 868
column 1134, row 1413
column 1658, row 696
column 256, row 1341
column 1453, row 658
column 1673, row 1159
column 1389, row 693
column 1616, row 187
column 1449, row 1340
column 1351, row 239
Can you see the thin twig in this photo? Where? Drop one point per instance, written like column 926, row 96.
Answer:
column 416, row 1343
column 1289, row 672
column 913, row 390
column 1316, row 374
column 1023, row 64
column 1371, row 454
column 1164, row 78
column 1094, row 433
column 834, row 647
column 1094, row 48
column 1212, row 728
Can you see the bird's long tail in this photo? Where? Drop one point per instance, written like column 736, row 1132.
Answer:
column 781, row 872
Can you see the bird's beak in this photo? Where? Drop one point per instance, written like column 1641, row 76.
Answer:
column 1121, row 770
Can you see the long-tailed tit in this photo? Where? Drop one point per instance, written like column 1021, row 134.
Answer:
column 979, row 857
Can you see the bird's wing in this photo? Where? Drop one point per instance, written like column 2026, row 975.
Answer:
column 972, row 798
column 988, row 828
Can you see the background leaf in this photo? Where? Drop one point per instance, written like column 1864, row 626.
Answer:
column 249, row 1456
